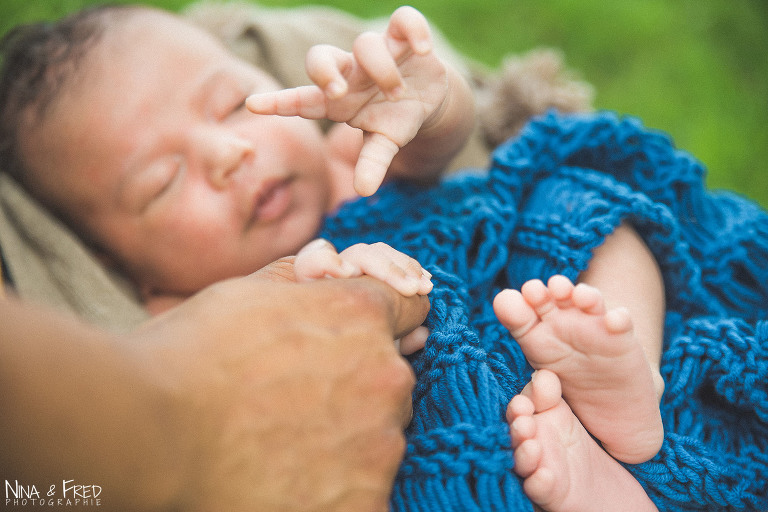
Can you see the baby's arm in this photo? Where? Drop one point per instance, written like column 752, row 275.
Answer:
column 415, row 111
column 627, row 274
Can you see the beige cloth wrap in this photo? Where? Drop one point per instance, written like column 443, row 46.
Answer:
column 51, row 266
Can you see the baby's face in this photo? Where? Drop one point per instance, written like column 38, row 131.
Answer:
column 154, row 154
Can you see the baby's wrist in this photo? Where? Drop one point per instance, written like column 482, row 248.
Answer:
column 457, row 106
column 442, row 135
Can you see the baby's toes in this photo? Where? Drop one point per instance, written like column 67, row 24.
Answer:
column 560, row 289
column 618, row 321
column 522, row 430
column 538, row 297
column 527, row 457
column 588, row 299
column 514, row 312
column 544, row 390
column 541, row 485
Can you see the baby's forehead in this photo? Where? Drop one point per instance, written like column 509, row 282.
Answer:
column 151, row 26
column 149, row 45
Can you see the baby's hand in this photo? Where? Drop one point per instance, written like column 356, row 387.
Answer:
column 389, row 86
column 319, row 259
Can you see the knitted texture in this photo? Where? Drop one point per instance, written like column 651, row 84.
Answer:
column 550, row 197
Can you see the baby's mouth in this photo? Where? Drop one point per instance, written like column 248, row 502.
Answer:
column 272, row 200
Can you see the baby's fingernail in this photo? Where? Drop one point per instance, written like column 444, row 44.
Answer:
column 425, row 285
column 426, row 273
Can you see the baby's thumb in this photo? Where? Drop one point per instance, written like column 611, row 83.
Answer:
column 372, row 164
column 318, row 259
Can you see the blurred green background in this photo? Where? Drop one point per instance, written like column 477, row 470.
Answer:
column 696, row 69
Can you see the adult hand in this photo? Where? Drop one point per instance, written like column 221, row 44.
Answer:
column 295, row 392
column 259, row 393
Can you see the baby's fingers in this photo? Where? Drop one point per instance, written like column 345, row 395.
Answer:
column 319, row 259
column 375, row 157
column 307, row 102
column 408, row 24
column 373, row 56
column 387, row 264
column 413, row 341
column 326, row 66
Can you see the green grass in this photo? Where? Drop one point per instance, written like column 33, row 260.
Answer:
column 696, row 69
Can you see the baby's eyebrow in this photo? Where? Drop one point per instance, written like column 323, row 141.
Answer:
column 220, row 85
column 210, row 83
column 206, row 86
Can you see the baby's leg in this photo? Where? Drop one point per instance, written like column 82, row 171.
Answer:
column 606, row 378
column 562, row 466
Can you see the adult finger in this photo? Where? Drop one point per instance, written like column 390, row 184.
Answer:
column 281, row 270
column 402, row 314
column 373, row 162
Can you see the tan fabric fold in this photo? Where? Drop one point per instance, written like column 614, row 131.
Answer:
column 49, row 265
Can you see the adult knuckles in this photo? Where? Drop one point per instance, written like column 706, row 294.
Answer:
column 369, row 299
column 377, row 302
column 280, row 270
column 399, row 377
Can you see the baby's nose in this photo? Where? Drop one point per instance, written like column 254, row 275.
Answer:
column 228, row 154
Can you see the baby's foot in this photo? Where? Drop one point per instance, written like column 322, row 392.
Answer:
column 605, row 376
column 563, row 468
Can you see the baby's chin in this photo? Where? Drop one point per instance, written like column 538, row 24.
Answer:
column 300, row 229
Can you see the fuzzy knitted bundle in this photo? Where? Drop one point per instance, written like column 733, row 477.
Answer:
column 550, row 197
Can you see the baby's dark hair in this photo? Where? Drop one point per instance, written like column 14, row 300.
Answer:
column 37, row 62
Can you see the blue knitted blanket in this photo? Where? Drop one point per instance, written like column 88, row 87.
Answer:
column 550, row 197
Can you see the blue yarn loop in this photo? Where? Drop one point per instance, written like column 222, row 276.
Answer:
column 549, row 198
